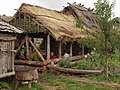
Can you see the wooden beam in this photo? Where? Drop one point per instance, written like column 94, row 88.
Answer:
column 7, row 38
column 83, row 50
column 48, row 47
column 7, row 74
column 27, row 48
column 39, row 54
column 60, row 49
column 71, row 49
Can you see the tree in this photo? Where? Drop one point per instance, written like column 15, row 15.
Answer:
column 104, row 9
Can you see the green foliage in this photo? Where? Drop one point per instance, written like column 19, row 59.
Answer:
column 34, row 56
column 79, row 23
column 67, row 83
column 4, row 85
column 35, row 86
column 114, row 58
column 65, row 63
column 92, row 61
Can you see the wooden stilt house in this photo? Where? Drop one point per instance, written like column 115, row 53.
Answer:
column 7, row 39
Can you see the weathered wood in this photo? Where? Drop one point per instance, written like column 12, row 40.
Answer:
column 7, row 38
column 29, row 63
column 60, row 49
column 7, row 74
column 12, row 56
column 23, row 41
column 48, row 47
column 74, row 71
column 83, row 50
column 39, row 54
column 70, row 49
column 27, row 48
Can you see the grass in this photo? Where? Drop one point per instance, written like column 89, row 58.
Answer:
column 35, row 86
column 62, row 83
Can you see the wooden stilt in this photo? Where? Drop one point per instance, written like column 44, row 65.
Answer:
column 70, row 49
column 48, row 47
column 27, row 48
column 83, row 50
column 60, row 49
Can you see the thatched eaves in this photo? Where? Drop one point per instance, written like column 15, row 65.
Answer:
column 59, row 25
column 5, row 27
column 87, row 15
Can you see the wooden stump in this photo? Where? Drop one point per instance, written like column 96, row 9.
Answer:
column 25, row 74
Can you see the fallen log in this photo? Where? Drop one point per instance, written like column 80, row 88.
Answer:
column 74, row 71
column 32, row 63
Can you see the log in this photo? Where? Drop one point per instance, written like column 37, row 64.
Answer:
column 31, row 63
column 74, row 71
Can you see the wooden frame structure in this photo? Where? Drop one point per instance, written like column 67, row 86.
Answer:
column 35, row 26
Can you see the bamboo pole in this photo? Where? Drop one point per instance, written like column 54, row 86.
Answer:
column 39, row 54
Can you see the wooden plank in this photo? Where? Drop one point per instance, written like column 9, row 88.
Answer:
column 7, row 74
column 7, row 38
column 48, row 47
column 39, row 54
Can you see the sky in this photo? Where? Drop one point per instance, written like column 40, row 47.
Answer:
column 8, row 7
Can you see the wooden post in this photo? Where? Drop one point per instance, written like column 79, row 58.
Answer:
column 83, row 50
column 19, row 19
column 70, row 49
column 60, row 49
column 27, row 48
column 48, row 47
column 24, row 20
column 13, row 45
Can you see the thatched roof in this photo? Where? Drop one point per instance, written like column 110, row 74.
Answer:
column 5, row 27
column 87, row 15
column 59, row 25
column 6, row 18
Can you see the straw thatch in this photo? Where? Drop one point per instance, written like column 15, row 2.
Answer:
column 87, row 15
column 5, row 27
column 6, row 18
column 59, row 25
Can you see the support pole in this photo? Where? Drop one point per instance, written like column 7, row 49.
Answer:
column 83, row 50
column 48, row 47
column 27, row 48
column 60, row 49
column 70, row 49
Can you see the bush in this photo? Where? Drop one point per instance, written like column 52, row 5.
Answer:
column 3, row 85
column 65, row 63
